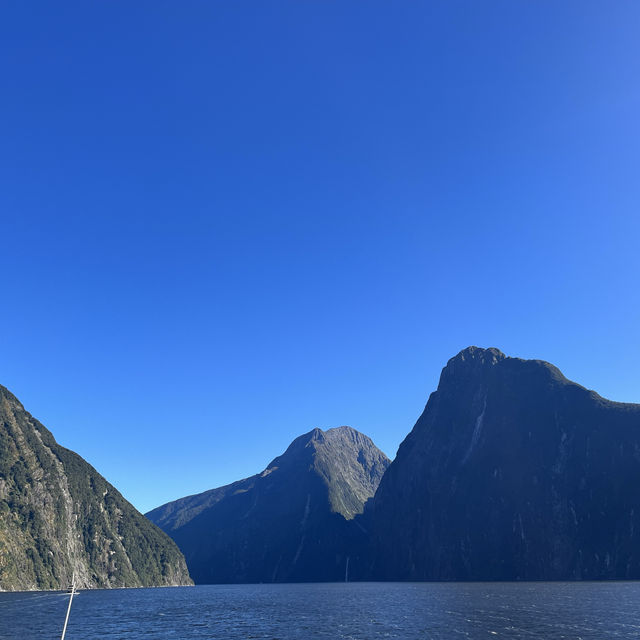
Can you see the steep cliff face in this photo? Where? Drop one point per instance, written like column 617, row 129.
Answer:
column 58, row 516
column 292, row 522
column 512, row 472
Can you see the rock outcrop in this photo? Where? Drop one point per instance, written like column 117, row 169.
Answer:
column 59, row 516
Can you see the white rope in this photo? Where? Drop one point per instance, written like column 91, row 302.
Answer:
column 66, row 620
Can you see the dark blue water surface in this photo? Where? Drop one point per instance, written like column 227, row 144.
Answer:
column 356, row 611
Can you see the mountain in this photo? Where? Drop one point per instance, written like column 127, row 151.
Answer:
column 512, row 472
column 58, row 516
column 292, row 522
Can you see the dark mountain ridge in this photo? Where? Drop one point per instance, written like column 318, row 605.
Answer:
column 511, row 472
column 292, row 522
column 59, row 516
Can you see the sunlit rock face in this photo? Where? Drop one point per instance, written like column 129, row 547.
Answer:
column 512, row 472
column 59, row 518
column 295, row 521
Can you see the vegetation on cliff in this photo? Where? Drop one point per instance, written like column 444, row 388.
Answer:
column 58, row 516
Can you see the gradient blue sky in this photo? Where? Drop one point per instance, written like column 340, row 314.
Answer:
column 226, row 223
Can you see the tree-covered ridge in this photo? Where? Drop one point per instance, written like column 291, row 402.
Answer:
column 58, row 516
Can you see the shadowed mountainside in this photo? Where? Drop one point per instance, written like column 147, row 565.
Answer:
column 292, row 522
column 512, row 472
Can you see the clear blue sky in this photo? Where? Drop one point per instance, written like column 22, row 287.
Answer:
column 226, row 223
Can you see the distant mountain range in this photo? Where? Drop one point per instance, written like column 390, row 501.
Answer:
column 59, row 517
column 289, row 523
column 511, row 473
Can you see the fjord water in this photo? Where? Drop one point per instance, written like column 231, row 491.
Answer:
column 586, row 611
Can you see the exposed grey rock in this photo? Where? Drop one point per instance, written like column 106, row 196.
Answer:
column 59, row 516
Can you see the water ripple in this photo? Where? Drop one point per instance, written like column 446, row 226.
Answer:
column 365, row 611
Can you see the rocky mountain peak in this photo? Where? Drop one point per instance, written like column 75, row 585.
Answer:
column 512, row 472
column 290, row 522
column 490, row 355
column 473, row 359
